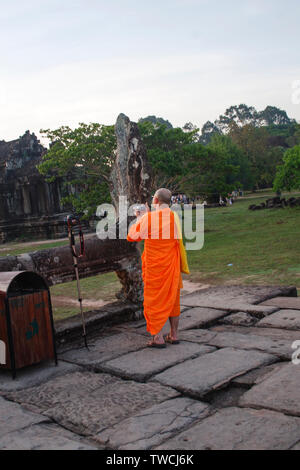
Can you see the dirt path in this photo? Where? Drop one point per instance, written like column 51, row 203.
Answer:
column 63, row 301
column 18, row 245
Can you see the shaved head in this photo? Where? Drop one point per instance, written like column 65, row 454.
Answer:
column 163, row 195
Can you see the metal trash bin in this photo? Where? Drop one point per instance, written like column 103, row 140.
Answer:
column 26, row 321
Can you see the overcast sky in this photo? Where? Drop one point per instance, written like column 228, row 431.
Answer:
column 69, row 61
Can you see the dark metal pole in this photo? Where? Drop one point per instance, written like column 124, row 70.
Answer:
column 75, row 263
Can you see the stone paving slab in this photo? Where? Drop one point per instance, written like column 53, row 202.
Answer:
column 61, row 389
column 44, row 437
column 284, row 302
column 143, row 364
column 197, row 377
column 153, row 426
column 289, row 319
column 105, row 348
column 275, row 333
column 197, row 336
column 279, row 391
column 278, row 347
column 217, row 296
column 86, row 402
column 34, row 375
column 198, row 317
column 14, row 417
column 90, row 414
column 259, row 311
column 235, row 428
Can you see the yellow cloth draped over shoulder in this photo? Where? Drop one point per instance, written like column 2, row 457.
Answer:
column 163, row 260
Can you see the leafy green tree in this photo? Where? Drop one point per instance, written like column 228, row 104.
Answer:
column 253, row 141
column 182, row 164
column 293, row 137
column 273, row 116
column 288, row 174
column 156, row 120
column 82, row 158
column 166, row 150
column 233, row 155
column 207, row 173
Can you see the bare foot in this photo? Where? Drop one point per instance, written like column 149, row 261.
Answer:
column 171, row 339
column 156, row 339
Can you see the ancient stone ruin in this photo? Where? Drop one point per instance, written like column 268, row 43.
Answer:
column 28, row 204
column 276, row 203
column 131, row 176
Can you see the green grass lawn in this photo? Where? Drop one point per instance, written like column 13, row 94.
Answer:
column 17, row 248
column 100, row 287
column 262, row 246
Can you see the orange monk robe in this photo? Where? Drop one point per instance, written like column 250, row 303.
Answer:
column 160, row 266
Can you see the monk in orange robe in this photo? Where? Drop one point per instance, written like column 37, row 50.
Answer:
column 160, row 268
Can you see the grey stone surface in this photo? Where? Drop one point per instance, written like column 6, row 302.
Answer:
column 34, row 375
column 50, row 407
column 274, row 333
column 197, row 377
column 13, row 417
column 284, row 302
column 61, row 389
column 154, row 425
column 198, row 317
column 197, row 336
column 257, row 375
column 279, row 391
column 87, row 403
column 236, row 428
column 289, row 319
column 105, row 348
column 90, row 414
column 278, row 347
column 44, row 437
column 240, row 319
column 143, row 364
column 224, row 297
column 258, row 311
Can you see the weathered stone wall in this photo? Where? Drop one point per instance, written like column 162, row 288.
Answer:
column 28, row 204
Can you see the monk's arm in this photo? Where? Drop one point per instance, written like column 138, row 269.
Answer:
column 134, row 233
column 139, row 230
